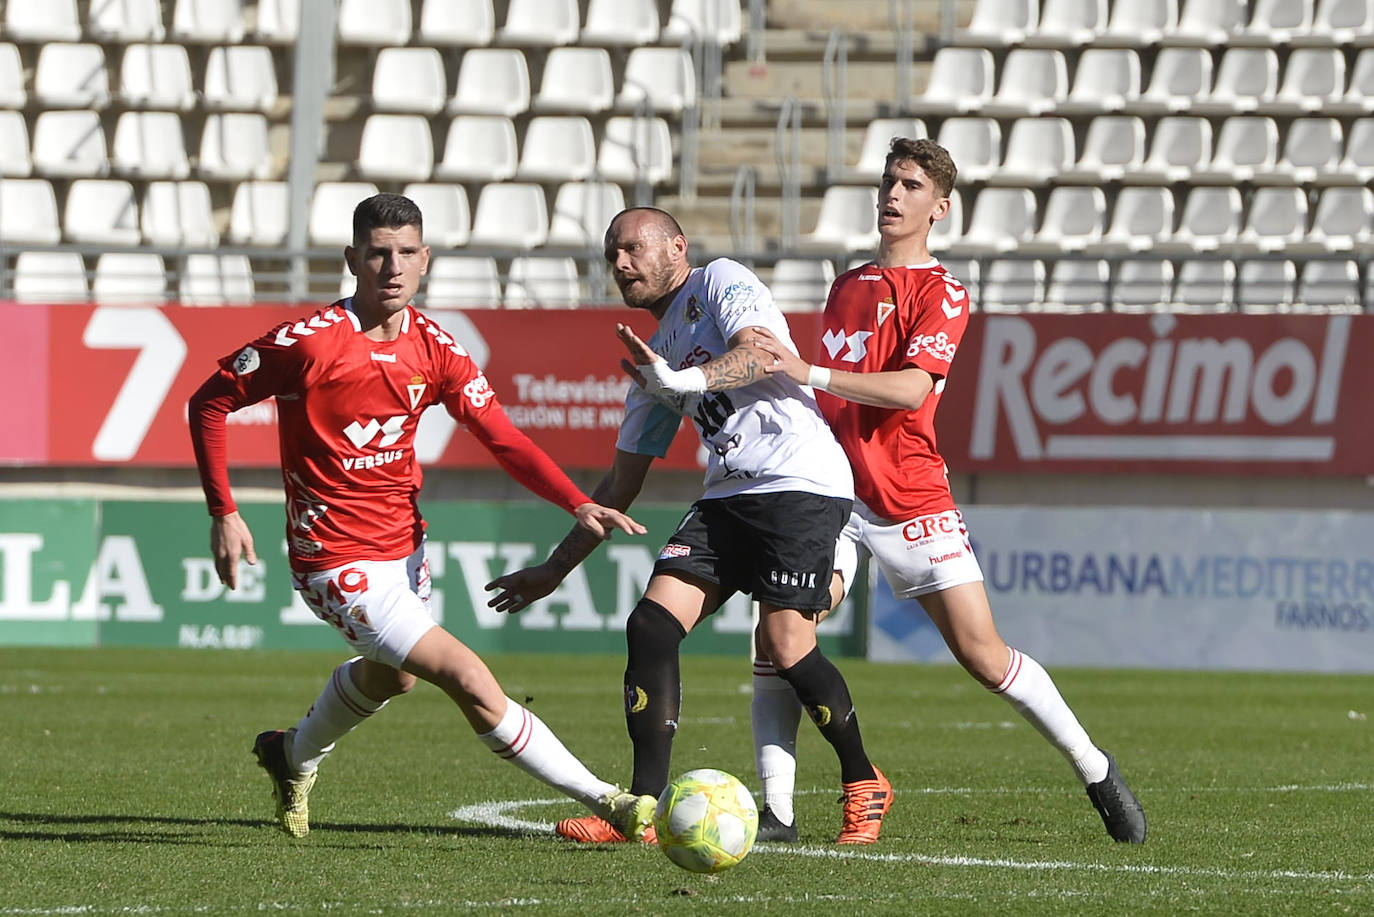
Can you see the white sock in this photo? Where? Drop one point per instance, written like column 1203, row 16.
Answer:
column 339, row 708
column 1029, row 688
column 524, row 740
column 775, row 714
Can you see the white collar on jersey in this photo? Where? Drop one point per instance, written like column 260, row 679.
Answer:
column 358, row 325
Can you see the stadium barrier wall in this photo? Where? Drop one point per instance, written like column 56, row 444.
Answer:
column 77, row 572
column 1163, row 588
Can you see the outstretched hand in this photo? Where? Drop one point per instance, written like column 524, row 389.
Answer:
column 784, row 360
column 602, row 520
column 519, row 590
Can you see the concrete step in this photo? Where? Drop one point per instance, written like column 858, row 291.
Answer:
column 810, row 44
column 805, row 79
column 706, row 220
column 875, row 15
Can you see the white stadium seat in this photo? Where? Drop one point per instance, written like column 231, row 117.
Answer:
column 848, row 219
column 1113, row 149
column 961, row 81
column 1276, row 22
column 1247, row 146
column 234, row 145
column 662, row 77
column 1342, row 22
column 511, row 215
column 557, row 148
column 1182, row 145
column 1276, row 221
column 101, row 212
column 1311, row 151
column 1330, row 285
column 69, row 144
column 801, row 284
column 1069, row 23
column 156, row 76
column 129, row 279
column 71, row 76
column 1105, row 80
column 208, row 21
column 717, row 21
column 948, row 231
column 178, row 214
column 1143, row 285
column 541, row 283
column 448, row 23
column 125, row 21
column 462, row 280
column 1205, row 286
column 621, row 22
column 1012, row 286
column 1343, row 221
column 28, row 212
column 1358, row 161
column 258, row 216
column 374, row 22
column 279, row 21
column 1266, row 285
column 50, row 277
column 1031, row 81
column 1359, row 95
column 878, row 141
column 975, row 143
column 1141, row 22
column 1179, row 77
column 14, row 145
column 1247, row 80
column 1210, row 23
column 576, row 80
column 635, row 149
column 216, row 280
column 998, row 23
column 1313, row 79
column 12, row 93
column 1211, row 218
column 1142, row 218
column 396, row 148
column 543, row 23
column 240, row 79
column 149, row 144
column 1038, row 150
column 582, row 211
column 448, row 222
column 409, row 80
column 331, row 211
column 491, row 81
column 1077, row 285
column 1000, row 220
column 1075, row 217
column 51, row 20
column 479, row 148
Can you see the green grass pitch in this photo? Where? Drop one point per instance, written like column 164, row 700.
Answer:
column 127, row 787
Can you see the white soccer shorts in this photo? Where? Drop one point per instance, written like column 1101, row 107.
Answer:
column 381, row 607
column 919, row 556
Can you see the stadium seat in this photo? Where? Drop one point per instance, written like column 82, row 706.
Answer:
column 1205, row 286
column 1341, row 22
column 71, row 76
column 1210, row 23
column 1276, row 22
column 462, row 280
column 215, row 280
column 1075, row 217
column 635, row 149
column 664, row 78
column 491, row 81
column 1330, row 286
column 1342, row 222
column 156, row 76
column 848, row 219
column 149, row 144
column 449, row 23
column 576, row 80
column 1012, row 286
column 1277, row 219
column 1113, row 149
column 975, row 144
column 258, row 215
column 1031, row 81
column 28, row 212
column 50, row 277
column 69, row 144
column 279, row 21
column 1182, row 145
column 448, row 222
column 12, row 94
column 582, row 211
column 1038, row 151
column 1266, row 285
column 1178, row 78
column 14, row 145
column 331, row 211
column 557, row 148
column 178, row 214
column 1359, row 95
column 1000, row 220
column 1142, row 218
column 999, row 23
column 1246, row 146
column 234, row 145
column 1247, row 80
column 396, row 148
column 718, row 21
column 1311, row 152
column 125, row 21
column 374, row 22
column 612, row 23
column 878, row 140
column 961, row 81
column 101, row 212
column 950, row 230
column 801, row 284
column 542, row 283
column 1069, row 23
column 479, row 148
column 409, row 80
column 129, row 279
column 1143, row 285
column 1141, row 22
column 1211, row 218
column 1077, row 285
column 511, row 215
column 51, row 20
column 1313, row 79
column 1356, row 164
column 1105, row 80
column 240, row 79
column 208, row 21
column 540, row 23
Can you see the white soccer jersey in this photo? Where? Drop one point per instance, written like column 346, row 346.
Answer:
column 765, row 437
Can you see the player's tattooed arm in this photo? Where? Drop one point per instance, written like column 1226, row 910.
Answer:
column 735, row 368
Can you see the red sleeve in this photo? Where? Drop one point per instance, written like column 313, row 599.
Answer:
column 523, row 460
column 206, row 410
column 942, row 309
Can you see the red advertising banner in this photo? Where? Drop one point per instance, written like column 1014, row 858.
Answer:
column 1253, row 394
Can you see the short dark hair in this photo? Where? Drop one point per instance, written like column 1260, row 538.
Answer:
column 385, row 210
column 665, row 220
column 933, row 159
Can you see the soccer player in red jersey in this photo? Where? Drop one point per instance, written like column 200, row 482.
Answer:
column 890, row 331
column 351, row 382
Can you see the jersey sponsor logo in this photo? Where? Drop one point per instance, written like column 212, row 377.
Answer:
column 792, row 578
column 674, row 550
column 870, row 276
column 384, row 357
column 856, row 342
column 288, row 335
column 478, row 391
column 938, row 346
column 885, row 310
column 953, row 555
column 926, row 527
column 360, row 435
column 737, row 290
column 375, row 460
column 246, row 361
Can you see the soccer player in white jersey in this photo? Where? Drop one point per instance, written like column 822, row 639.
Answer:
column 777, row 492
column 351, row 382
column 907, row 315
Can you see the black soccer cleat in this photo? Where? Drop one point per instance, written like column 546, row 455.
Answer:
column 1120, row 810
column 771, row 829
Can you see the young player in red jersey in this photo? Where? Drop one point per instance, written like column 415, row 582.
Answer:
column 351, row 382
column 890, row 331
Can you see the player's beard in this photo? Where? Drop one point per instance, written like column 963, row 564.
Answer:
column 653, row 286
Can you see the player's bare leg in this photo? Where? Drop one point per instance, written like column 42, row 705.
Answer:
column 964, row 618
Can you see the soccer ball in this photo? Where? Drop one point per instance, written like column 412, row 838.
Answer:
column 706, row 820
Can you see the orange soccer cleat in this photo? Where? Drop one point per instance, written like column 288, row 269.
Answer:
column 592, row 829
column 865, row 804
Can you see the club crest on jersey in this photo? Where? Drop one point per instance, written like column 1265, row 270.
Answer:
column 246, row 361
column 693, row 310
column 885, row 309
column 416, row 390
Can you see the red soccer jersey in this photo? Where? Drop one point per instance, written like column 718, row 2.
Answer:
column 347, row 411
column 887, row 319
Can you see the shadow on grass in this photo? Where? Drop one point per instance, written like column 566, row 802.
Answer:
column 143, row 829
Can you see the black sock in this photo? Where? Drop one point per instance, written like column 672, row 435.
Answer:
column 653, row 693
column 823, row 692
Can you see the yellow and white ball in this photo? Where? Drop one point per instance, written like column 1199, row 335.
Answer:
column 706, row 820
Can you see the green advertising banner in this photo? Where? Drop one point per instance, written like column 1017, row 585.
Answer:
column 123, row 573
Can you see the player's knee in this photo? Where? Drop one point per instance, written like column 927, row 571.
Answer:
column 651, row 630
